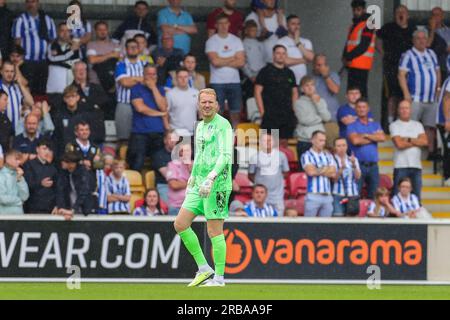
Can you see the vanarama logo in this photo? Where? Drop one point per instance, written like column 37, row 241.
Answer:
column 241, row 251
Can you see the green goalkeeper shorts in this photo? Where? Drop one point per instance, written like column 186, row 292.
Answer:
column 215, row 207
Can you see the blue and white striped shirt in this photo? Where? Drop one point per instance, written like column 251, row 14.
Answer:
column 318, row 184
column 80, row 32
column 121, row 187
column 440, row 114
column 422, row 74
column 266, row 212
column 127, row 69
column 347, row 185
column 26, row 28
column 144, row 212
column 101, row 191
column 15, row 99
column 373, row 207
column 408, row 205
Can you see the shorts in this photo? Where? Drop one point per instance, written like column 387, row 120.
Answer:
column 425, row 113
column 230, row 92
column 124, row 120
column 215, row 207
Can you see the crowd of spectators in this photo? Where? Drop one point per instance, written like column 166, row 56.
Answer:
column 59, row 85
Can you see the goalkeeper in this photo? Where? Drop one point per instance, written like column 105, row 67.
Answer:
column 208, row 190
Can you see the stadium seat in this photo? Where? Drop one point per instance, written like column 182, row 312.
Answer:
column 386, row 182
column 363, row 208
column 123, row 152
column 150, row 180
column 247, row 134
column 295, row 152
column 298, row 204
column 291, row 156
column 245, row 185
column 133, row 201
column 136, row 184
column 298, row 184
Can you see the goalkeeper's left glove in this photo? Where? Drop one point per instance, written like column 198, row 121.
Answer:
column 206, row 186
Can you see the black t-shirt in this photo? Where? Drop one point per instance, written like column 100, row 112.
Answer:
column 277, row 93
column 6, row 131
column 160, row 159
column 396, row 41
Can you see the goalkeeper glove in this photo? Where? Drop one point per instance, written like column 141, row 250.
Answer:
column 206, row 186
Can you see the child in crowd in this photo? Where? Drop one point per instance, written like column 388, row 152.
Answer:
column 407, row 203
column 254, row 51
column 118, row 189
column 151, row 206
column 382, row 207
column 258, row 6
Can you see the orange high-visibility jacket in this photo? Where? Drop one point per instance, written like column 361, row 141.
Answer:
column 365, row 61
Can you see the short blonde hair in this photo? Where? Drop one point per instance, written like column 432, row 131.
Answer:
column 119, row 162
column 207, row 91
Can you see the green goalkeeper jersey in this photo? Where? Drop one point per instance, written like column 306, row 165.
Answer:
column 214, row 151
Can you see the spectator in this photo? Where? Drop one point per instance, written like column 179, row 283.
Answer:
column 394, row 38
column 182, row 104
column 108, row 161
column 13, row 187
column 137, row 23
column 346, row 114
column 382, row 207
column 276, row 93
column 271, row 24
column 71, row 112
column 27, row 142
column 438, row 40
column 167, row 57
column 41, row 174
column 34, row 30
column 102, row 55
column 42, row 111
column 16, row 56
column 6, row 128
column 443, row 122
column 118, row 189
column 178, row 23
column 237, row 209
column 160, row 161
column 408, row 137
column 328, row 84
column 364, row 135
column 74, row 188
column 345, row 186
column 291, row 213
column 420, row 80
column 311, row 112
column 196, row 80
column 6, row 23
column 254, row 51
column 407, row 203
column 258, row 207
column 299, row 50
column 151, row 206
column 149, row 119
column 178, row 173
column 62, row 54
column 320, row 169
column 95, row 97
column 236, row 18
column 18, row 94
column 82, row 34
column 82, row 146
column 226, row 56
column 359, row 51
column 129, row 73
column 144, row 51
column 270, row 167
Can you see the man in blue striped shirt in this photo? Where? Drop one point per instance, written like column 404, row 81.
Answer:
column 258, row 207
column 420, row 80
column 33, row 30
column 320, row 169
column 129, row 73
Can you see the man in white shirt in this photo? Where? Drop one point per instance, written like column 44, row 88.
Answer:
column 226, row 55
column 300, row 50
column 182, row 105
column 408, row 137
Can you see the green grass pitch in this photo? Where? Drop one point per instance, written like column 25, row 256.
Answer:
column 24, row 291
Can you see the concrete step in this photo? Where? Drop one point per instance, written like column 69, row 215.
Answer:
column 441, row 215
column 436, row 193
column 437, row 205
column 386, row 154
column 428, row 180
column 387, row 167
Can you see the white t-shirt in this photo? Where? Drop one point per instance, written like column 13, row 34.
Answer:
column 411, row 157
column 293, row 51
column 271, row 23
column 225, row 48
column 182, row 108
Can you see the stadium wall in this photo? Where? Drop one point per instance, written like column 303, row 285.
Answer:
column 137, row 249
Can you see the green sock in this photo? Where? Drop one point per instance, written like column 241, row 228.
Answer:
column 192, row 244
column 220, row 253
